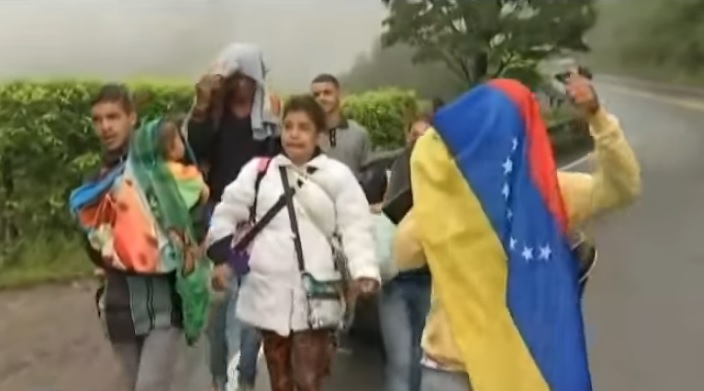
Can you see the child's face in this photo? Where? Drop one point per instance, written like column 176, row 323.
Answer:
column 177, row 150
column 299, row 137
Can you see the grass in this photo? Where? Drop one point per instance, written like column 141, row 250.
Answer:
column 45, row 261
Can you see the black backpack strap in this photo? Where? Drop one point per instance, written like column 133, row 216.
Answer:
column 261, row 223
column 288, row 193
column 262, row 168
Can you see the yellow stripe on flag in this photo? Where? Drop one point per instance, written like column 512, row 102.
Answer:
column 469, row 268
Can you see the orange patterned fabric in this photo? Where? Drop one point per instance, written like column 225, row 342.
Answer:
column 135, row 238
column 122, row 231
column 184, row 171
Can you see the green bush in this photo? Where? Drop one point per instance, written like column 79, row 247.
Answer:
column 386, row 113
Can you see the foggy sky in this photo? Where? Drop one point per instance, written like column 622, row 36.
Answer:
column 137, row 38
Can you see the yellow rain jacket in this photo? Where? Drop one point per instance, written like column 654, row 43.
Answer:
column 615, row 183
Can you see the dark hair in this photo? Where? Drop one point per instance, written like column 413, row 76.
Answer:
column 326, row 78
column 114, row 93
column 437, row 104
column 310, row 106
column 169, row 129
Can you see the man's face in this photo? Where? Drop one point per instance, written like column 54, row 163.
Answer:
column 328, row 95
column 112, row 123
column 240, row 87
column 416, row 130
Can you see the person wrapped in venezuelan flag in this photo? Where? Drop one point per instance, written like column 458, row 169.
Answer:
column 493, row 218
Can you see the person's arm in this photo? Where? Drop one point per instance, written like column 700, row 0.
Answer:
column 364, row 153
column 355, row 224
column 232, row 209
column 199, row 221
column 615, row 183
column 94, row 255
column 204, row 191
column 201, row 133
column 274, row 104
column 200, row 126
column 199, row 214
column 407, row 251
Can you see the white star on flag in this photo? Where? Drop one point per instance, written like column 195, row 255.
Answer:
column 527, row 253
column 508, row 166
column 512, row 243
column 509, row 214
column 545, row 252
column 514, row 145
column 505, row 190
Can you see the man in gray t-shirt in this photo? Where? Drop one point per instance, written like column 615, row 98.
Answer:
column 345, row 140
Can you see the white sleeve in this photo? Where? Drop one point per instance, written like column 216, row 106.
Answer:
column 234, row 206
column 356, row 226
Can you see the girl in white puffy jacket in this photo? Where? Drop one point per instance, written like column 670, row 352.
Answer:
column 297, row 326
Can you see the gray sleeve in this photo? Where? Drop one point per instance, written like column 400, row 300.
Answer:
column 365, row 147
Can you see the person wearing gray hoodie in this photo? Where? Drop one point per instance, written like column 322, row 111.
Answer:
column 233, row 120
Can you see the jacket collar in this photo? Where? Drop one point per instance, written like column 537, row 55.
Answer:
column 113, row 158
column 343, row 125
column 319, row 159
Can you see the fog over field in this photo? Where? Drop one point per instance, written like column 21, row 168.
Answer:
column 137, row 38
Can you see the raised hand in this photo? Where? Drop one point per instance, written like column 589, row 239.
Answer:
column 582, row 92
column 207, row 88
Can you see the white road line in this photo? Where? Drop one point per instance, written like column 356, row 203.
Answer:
column 695, row 104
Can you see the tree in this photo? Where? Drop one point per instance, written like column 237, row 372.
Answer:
column 393, row 67
column 658, row 39
column 481, row 39
column 674, row 36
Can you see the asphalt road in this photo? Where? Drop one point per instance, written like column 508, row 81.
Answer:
column 644, row 327
column 645, row 323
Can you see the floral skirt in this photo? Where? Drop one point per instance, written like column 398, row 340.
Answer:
column 299, row 361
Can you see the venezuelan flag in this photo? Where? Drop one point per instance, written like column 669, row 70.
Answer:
column 494, row 230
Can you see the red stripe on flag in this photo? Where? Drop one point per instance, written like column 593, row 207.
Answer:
column 541, row 161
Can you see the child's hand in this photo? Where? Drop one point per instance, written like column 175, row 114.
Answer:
column 191, row 255
column 222, row 274
column 176, row 239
